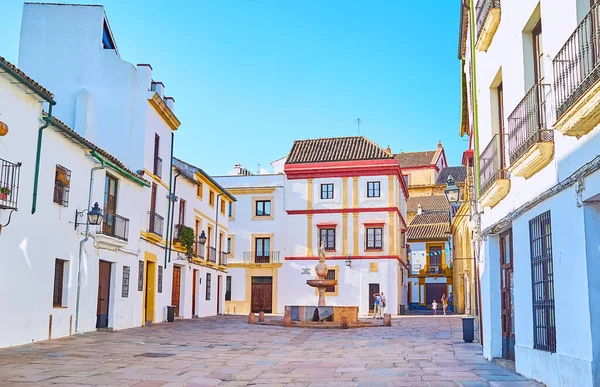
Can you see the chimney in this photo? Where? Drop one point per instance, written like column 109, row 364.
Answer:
column 159, row 88
column 388, row 150
column 170, row 101
column 419, row 210
column 440, row 144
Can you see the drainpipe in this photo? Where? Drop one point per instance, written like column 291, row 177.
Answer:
column 217, row 224
column 38, row 157
column 172, row 206
column 120, row 170
column 170, row 193
column 82, row 242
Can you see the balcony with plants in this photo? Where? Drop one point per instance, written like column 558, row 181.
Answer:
column 530, row 142
column 577, row 78
column 487, row 14
column 184, row 240
column 494, row 180
column 10, row 174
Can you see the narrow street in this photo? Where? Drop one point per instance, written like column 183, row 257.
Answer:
column 225, row 350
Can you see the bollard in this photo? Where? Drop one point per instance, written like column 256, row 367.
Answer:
column 344, row 322
column 287, row 321
column 251, row 318
column 387, row 320
column 261, row 316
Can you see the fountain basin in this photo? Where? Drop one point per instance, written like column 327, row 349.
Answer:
column 324, row 313
column 321, row 283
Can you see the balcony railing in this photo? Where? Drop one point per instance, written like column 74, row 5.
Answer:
column 10, row 174
column 492, row 163
column 156, row 223
column 212, row 255
column 115, row 226
column 527, row 123
column 575, row 66
column 158, row 167
column 482, row 10
column 200, row 250
column 223, row 258
column 261, row 257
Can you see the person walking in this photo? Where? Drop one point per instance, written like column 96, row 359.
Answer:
column 381, row 305
column 444, row 303
column 376, row 304
column 434, row 307
column 451, row 303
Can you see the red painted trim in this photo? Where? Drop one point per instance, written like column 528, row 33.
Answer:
column 374, row 224
column 327, row 225
column 467, row 155
column 348, row 211
column 419, row 167
column 343, row 258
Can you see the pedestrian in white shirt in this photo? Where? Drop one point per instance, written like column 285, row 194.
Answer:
column 381, row 305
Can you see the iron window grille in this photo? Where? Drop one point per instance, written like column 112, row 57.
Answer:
column 160, row 279
column 327, row 237
column 330, row 276
column 59, row 271
column 208, row 286
column 263, row 208
column 374, row 238
column 542, row 282
column 10, row 174
column 141, row 276
column 228, row 288
column 125, row 284
column 62, row 184
column 327, row 191
column 373, row 190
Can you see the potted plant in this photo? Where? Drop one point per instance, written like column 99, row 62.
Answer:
column 186, row 238
column 4, row 192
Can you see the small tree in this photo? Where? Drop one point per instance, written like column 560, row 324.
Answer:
column 187, row 238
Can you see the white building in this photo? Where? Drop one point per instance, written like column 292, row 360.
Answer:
column 48, row 293
column 537, row 99
column 345, row 192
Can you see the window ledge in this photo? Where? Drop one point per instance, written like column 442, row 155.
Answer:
column 109, row 242
column 60, row 307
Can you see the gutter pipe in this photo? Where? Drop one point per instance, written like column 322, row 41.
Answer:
column 170, row 193
column 129, row 175
column 38, row 156
column 172, row 206
column 217, row 228
column 82, row 242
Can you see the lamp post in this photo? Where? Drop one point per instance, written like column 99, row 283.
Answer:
column 349, row 262
column 202, row 238
column 452, row 192
column 94, row 216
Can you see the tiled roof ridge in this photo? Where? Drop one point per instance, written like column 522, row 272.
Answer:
column 332, row 149
column 201, row 171
column 40, row 88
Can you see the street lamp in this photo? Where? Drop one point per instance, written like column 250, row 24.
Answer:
column 94, row 216
column 349, row 262
column 452, row 192
column 202, row 238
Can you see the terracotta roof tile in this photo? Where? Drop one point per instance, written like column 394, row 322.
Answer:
column 39, row 88
column 431, row 217
column 458, row 173
column 189, row 170
column 335, row 149
column 431, row 225
column 428, row 203
column 415, row 159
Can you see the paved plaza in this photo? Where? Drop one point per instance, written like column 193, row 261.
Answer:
column 225, row 350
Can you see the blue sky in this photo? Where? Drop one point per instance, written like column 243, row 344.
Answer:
column 250, row 76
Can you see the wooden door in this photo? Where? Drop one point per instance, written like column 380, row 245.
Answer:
column 507, row 297
column 152, row 207
column 373, row 288
column 103, row 294
column 434, row 292
column 149, row 291
column 194, row 280
column 262, row 294
column 110, row 205
column 218, row 294
column 175, row 292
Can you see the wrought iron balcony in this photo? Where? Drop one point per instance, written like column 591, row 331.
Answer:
column 156, row 223
column 493, row 175
column 576, row 74
column 261, row 257
column 10, row 174
column 212, row 255
column 530, row 142
column 223, row 258
column 488, row 18
column 115, row 226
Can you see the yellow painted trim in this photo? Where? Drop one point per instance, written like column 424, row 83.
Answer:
column 355, row 232
column 373, row 267
column 253, row 208
column 155, row 178
column 334, row 293
column 495, row 193
column 200, row 188
column 344, row 192
column 488, row 30
column 238, row 265
column 355, row 192
column 149, row 264
column 223, row 206
column 390, row 191
column 210, row 219
column 163, row 110
column 213, row 195
column 534, row 160
column 232, row 251
column 270, row 236
column 345, row 234
column 392, row 227
column 222, row 268
column 309, row 194
column 202, row 179
column 309, row 235
column 251, row 190
column 153, row 238
column 260, row 272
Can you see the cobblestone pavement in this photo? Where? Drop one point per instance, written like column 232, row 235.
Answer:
column 225, row 350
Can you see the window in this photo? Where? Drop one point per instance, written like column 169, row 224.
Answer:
column 262, row 250
column 374, row 238
column 373, row 189
column 110, row 206
column 157, row 160
column 263, row 208
column 230, row 209
column 330, row 275
column 160, row 279
column 59, row 277
column 542, row 283
column 327, row 237
column 327, row 191
column 181, row 212
column 435, row 259
column 141, row 276
column 62, row 183
column 223, row 206
column 228, row 288
column 211, row 198
column 125, row 284
column 199, row 190
column 500, row 118
column 229, row 245
column 107, row 42
column 208, row 286
column 405, row 180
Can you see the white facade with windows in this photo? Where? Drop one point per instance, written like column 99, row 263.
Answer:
column 537, row 98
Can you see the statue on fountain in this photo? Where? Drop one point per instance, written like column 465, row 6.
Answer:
column 321, row 283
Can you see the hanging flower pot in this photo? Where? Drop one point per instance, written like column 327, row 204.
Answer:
column 4, row 192
column 3, row 129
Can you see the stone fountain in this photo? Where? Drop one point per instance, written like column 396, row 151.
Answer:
column 322, row 312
